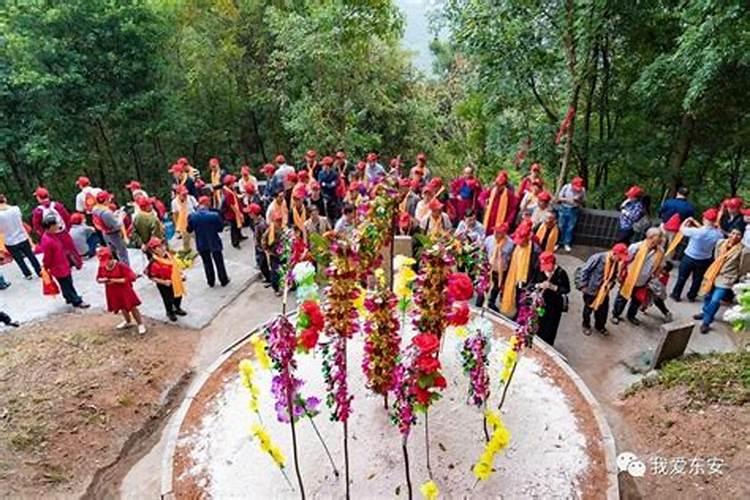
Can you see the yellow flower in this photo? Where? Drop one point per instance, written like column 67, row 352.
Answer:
column 259, row 345
column 460, row 331
column 247, row 373
column 482, row 470
column 493, row 418
column 401, row 261
column 499, row 441
column 429, row 490
column 380, row 276
column 359, row 302
column 266, row 445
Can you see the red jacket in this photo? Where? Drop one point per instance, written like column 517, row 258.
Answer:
column 38, row 213
column 55, row 259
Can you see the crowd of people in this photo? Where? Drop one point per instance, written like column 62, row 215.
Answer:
column 518, row 228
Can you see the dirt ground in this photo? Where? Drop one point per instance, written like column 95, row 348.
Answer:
column 679, row 440
column 74, row 393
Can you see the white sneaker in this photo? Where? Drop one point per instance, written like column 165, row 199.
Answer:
column 567, row 248
column 123, row 325
column 141, row 329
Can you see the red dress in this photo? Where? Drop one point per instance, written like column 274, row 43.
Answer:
column 120, row 296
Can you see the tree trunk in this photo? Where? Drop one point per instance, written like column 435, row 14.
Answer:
column 569, row 43
column 565, row 162
column 258, row 138
column 137, row 163
column 681, row 150
column 16, row 169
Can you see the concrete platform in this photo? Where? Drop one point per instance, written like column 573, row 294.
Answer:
column 25, row 303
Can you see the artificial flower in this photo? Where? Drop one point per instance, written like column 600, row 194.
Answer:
column 498, row 441
column 261, row 354
column 459, row 315
column 427, row 364
column 426, row 342
column 401, row 261
column 429, row 490
column 268, row 446
column 247, row 377
column 460, row 287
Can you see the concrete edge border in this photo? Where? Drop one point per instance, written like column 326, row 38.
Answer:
column 608, row 441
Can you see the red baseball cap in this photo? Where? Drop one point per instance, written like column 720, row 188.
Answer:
column 41, row 193
column 254, row 209
column 104, row 254
column 327, row 160
column 154, row 242
column 634, row 192
column 268, row 169
column 577, row 182
column 711, row 214
column 181, row 189
column 620, row 250
column 372, row 157
column 250, row 188
column 544, row 196
column 204, row 201
column 279, row 159
column 103, row 197
column 133, row 185
column 144, row 203
column 547, row 261
column 213, row 162
column 77, row 218
column 733, row 203
column 83, row 181
column 435, row 204
column 291, row 177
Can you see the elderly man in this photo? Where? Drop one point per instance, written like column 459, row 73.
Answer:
column 698, row 254
column 465, row 192
column 499, row 248
column 374, row 171
column 500, row 205
column 208, row 226
column 437, row 223
column 632, row 210
column 548, row 233
column 86, row 197
column 470, row 228
column 183, row 205
column 645, row 260
column 111, row 227
column 720, row 276
column 597, row 277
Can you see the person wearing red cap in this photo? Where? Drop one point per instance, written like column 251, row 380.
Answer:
column 521, row 267
column 409, row 192
column 183, row 205
column 146, row 224
column 309, row 164
column 208, row 226
column 547, row 233
column 571, row 198
column 216, row 174
column 279, row 177
column 56, row 262
column 595, row 279
column 274, row 243
column 543, row 206
column 499, row 249
column 231, row 210
column 699, row 253
column 420, row 170
column 259, row 227
column 534, row 177
column 632, row 212
column 86, row 197
column 465, row 192
column 374, row 171
column 437, row 223
column 136, row 191
column 246, row 179
column 48, row 206
column 499, row 203
column 554, row 283
column 422, row 209
column 530, row 198
column 15, row 239
column 406, row 226
column 111, row 226
column 84, row 236
column 118, row 280
column 298, row 209
column 731, row 216
column 182, row 176
column 644, row 263
column 164, row 271
column 249, row 196
column 329, row 179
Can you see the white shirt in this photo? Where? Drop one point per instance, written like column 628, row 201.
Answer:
column 192, row 205
column 11, row 225
column 81, row 197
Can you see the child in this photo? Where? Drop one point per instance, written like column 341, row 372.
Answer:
column 164, row 271
column 657, row 291
column 118, row 280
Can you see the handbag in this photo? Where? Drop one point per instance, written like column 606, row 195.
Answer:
column 49, row 286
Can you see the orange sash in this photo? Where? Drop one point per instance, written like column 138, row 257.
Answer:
column 502, row 209
column 178, row 287
column 674, row 244
column 299, row 218
column 634, row 270
column 234, row 204
column 554, row 233
column 714, row 269
column 215, row 181
column 603, row 292
column 181, row 223
column 517, row 274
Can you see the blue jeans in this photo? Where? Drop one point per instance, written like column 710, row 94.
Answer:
column 567, row 218
column 688, row 266
column 712, row 303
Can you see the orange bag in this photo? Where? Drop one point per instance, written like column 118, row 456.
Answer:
column 49, row 286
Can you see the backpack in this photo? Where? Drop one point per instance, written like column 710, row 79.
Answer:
column 578, row 278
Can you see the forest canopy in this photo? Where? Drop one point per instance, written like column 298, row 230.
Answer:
column 118, row 89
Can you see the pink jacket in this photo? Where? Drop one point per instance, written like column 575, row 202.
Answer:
column 55, row 260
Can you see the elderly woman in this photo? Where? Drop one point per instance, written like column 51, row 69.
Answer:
column 555, row 285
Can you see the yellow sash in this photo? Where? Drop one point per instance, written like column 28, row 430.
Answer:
column 299, row 218
column 518, row 273
column 675, row 243
column 502, row 209
column 284, row 220
column 714, row 269
column 603, row 292
column 215, row 181
column 2, row 243
column 554, row 233
column 178, row 287
column 181, row 223
column 436, row 225
column 626, row 290
column 496, row 261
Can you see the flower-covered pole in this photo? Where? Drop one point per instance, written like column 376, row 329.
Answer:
column 310, row 323
column 382, row 339
column 247, row 377
column 282, row 342
column 475, row 361
column 341, row 324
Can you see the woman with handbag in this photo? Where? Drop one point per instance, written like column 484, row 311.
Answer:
column 555, row 285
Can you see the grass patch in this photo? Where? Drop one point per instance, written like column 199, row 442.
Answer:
column 709, row 378
column 28, row 437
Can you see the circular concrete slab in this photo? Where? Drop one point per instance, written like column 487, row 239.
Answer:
column 560, row 444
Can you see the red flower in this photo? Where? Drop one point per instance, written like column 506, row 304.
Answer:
column 426, row 342
column 313, row 312
column 308, row 339
column 459, row 315
column 460, row 287
column 427, row 364
column 423, row 395
column 440, row 382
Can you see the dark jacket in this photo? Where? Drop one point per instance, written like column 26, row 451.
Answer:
column 592, row 273
column 553, row 300
column 329, row 180
column 207, row 226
